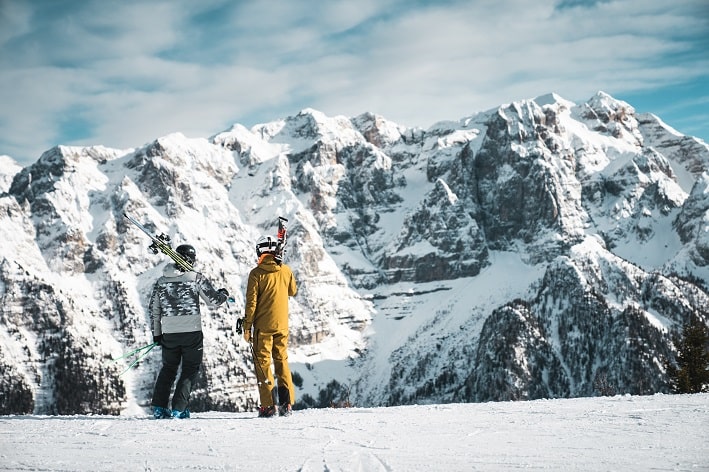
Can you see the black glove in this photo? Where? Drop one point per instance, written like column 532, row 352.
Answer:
column 158, row 340
column 225, row 292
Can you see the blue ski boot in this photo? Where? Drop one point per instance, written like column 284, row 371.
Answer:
column 181, row 414
column 160, row 413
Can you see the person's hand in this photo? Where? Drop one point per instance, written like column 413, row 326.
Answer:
column 247, row 336
column 158, row 340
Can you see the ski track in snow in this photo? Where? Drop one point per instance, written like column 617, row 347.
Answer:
column 660, row 432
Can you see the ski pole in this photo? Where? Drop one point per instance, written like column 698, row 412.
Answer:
column 134, row 351
column 258, row 366
column 150, row 348
column 240, row 330
column 228, row 307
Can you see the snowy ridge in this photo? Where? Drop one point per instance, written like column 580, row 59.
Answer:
column 505, row 255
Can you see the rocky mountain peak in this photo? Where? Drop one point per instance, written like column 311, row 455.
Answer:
column 520, row 252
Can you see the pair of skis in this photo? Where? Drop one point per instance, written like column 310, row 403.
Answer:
column 161, row 243
column 281, row 239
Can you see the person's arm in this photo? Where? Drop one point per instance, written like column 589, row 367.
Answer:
column 209, row 294
column 292, row 288
column 250, row 306
column 155, row 313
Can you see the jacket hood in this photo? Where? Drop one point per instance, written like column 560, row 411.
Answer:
column 268, row 263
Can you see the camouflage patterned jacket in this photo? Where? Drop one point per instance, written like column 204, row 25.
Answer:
column 174, row 304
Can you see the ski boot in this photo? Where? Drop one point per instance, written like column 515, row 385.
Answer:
column 267, row 411
column 182, row 415
column 285, row 410
column 161, row 413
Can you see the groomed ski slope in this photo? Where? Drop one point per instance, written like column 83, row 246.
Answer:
column 661, row 432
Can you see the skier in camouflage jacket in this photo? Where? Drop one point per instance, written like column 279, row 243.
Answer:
column 177, row 327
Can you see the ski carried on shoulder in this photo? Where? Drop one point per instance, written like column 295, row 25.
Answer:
column 281, row 239
column 161, row 243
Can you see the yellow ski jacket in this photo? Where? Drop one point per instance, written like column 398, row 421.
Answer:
column 267, row 292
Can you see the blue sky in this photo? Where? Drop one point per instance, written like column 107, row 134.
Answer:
column 121, row 73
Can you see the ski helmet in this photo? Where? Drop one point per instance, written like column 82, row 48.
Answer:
column 187, row 252
column 266, row 244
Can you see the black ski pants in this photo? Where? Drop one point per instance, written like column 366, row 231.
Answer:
column 185, row 348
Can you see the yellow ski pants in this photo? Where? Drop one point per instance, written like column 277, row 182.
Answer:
column 270, row 346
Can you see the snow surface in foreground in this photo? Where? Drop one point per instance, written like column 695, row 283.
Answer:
column 660, row 432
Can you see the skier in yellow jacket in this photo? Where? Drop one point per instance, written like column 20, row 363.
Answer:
column 266, row 327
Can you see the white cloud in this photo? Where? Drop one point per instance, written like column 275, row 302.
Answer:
column 134, row 71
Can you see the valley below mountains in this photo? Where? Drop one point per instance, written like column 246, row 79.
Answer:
column 541, row 249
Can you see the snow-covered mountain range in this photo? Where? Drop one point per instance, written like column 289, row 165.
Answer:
column 540, row 249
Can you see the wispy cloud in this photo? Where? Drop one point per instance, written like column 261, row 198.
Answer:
column 123, row 73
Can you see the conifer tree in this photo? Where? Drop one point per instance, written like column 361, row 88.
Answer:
column 690, row 373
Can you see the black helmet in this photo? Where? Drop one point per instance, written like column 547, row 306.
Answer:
column 265, row 244
column 187, row 252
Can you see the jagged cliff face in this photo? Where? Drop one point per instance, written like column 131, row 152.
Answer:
column 78, row 275
column 540, row 249
column 610, row 208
